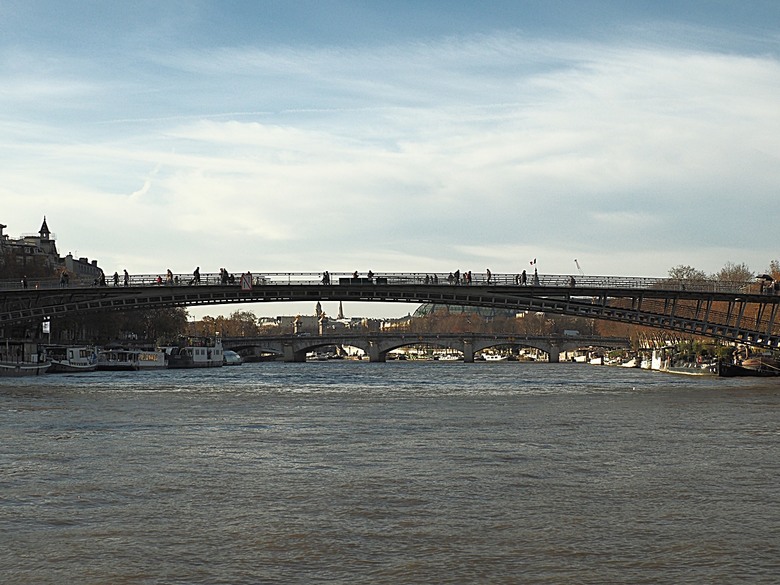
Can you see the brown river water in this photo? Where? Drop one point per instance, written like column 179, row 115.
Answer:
column 406, row 472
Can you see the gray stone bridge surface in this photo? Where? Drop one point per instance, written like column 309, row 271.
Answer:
column 293, row 348
column 744, row 312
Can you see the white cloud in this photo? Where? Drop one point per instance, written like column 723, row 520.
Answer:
column 462, row 154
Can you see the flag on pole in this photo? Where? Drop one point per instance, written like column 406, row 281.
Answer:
column 533, row 262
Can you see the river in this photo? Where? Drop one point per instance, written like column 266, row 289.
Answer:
column 404, row 472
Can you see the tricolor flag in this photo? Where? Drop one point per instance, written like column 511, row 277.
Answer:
column 533, row 262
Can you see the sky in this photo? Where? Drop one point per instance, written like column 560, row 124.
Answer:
column 396, row 136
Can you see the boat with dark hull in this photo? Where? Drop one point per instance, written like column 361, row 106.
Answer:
column 752, row 367
column 21, row 358
column 18, row 369
column 748, row 362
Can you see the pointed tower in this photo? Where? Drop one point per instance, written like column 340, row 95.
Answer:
column 44, row 231
column 341, row 311
column 45, row 242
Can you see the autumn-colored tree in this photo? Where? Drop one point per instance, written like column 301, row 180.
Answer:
column 687, row 273
column 774, row 269
column 535, row 324
column 206, row 327
column 734, row 273
column 241, row 324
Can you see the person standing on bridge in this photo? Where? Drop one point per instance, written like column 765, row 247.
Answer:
column 195, row 276
column 523, row 278
column 488, row 275
column 127, row 278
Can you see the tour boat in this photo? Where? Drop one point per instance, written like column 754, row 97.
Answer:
column 495, row 357
column 196, row 352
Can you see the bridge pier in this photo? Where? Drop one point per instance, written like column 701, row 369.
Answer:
column 554, row 355
column 290, row 355
column 374, row 353
column 468, row 351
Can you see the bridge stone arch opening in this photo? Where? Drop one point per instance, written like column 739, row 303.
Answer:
column 294, row 348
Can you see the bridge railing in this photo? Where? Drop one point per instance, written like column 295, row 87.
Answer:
column 402, row 279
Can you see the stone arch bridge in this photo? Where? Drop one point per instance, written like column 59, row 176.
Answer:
column 293, row 348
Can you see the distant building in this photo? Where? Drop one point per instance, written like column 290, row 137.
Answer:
column 38, row 255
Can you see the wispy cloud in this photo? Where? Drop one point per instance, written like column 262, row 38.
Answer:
column 426, row 156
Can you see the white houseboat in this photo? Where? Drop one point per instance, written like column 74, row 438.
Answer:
column 69, row 360
column 195, row 352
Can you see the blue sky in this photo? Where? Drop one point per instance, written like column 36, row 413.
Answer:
column 394, row 136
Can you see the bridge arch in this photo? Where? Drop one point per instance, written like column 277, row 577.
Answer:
column 737, row 312
column 377, row 346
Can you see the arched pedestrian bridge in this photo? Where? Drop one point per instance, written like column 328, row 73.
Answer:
column 745, row 312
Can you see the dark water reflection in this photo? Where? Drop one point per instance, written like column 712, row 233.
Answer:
column 389, row 473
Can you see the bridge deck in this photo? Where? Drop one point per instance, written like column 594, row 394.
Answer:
column 405, row 279
column 734, row 311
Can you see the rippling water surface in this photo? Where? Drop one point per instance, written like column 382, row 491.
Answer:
column 389, row 473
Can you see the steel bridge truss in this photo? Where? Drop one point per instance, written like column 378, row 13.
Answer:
column 743, row 317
